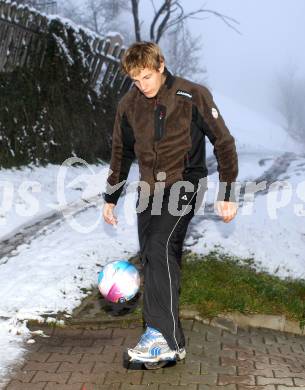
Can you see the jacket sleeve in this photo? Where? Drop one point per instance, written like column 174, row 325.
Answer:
column 122, row 155
column 214, row 127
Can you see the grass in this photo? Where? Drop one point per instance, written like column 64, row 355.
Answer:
column 217, row 283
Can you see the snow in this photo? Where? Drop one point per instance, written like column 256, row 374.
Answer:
column 253, row 131
column 47, row 271
column 271, row 229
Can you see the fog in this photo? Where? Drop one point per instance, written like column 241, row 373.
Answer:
column 246, row 66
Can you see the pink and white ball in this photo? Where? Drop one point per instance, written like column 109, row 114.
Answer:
column 119, row 281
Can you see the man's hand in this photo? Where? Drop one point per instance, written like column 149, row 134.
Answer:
column 108, row 215
column 227, row 210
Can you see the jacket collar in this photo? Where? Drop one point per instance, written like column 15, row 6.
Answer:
column 169, row 80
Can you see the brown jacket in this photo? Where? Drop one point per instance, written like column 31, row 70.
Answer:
column 167, row 134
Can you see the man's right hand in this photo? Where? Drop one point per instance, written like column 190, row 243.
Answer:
column 108, row 215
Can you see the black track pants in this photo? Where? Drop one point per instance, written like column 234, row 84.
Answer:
column 161, row 241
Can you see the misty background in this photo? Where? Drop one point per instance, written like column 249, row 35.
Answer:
column 258, row 65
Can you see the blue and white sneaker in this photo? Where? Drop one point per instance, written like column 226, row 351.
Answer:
column 152, row 347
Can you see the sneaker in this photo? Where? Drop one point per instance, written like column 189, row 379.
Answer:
column 152, row 347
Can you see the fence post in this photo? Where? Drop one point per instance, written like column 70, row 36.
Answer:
column 23, row 40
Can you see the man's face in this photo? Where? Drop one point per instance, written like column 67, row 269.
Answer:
column 149, row 80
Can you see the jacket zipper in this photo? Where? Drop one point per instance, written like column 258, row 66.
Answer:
column 156, row 155
column 159, row 116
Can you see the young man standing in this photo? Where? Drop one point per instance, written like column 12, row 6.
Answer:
column 163, row 121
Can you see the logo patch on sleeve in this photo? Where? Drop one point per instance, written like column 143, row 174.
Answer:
column 214, row 113
column 184, row 93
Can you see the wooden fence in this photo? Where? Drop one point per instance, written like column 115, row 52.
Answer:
column 45, row 6
column 23, row 40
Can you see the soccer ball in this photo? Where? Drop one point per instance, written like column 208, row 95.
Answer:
column 119, row 281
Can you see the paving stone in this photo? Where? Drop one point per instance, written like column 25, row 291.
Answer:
column 299, row 381
column 224, row 379
column 199, row 357
column 119, row 332
column 280, row 387
column 153, row 377
column 215, row 368
column 42, row 376
column 285, row 349
column 203, row 328
column 265, row 387
column 64, row 357
column 247, row 354
column 273, row 349
column 93, row 359
column 84, row 342
column 24, row 376
column 55, row 349
column 56, row 386
column 261, row 358
column 225, row 361
column 212, row 348
column 54, row 340
column 99, row 333
column 78, row 377
column 84, row 368
column 261, row 366
column 139, row 387
column 107, row 367
column 187, row 324
column 78, row 349
column 269, row 339
column 261, row 380
column 297, row 348
column 252, row 371
column 111, row 341
column 209, row 379
column 91, row 386
column 177, row 387
column 16, row 385
column 98, row 357
column 129, row 377
column 68, row 331
column 37, row 366
column 209, row 387
column 228, row 353
column 286, row 373
column 38, row 357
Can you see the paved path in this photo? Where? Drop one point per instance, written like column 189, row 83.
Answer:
column 79, row 359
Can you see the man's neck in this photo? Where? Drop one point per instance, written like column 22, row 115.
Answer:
column 163, row 78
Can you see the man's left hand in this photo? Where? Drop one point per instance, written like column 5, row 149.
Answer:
column 226, row 210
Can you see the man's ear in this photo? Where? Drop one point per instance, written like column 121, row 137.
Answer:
column 162, row 67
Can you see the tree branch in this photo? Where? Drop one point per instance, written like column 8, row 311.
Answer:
column 226, row 19
column 135, row 12
column 163, row 8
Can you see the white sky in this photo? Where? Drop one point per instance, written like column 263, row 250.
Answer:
column 244, row 66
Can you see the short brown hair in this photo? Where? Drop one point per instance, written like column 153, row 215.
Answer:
column 141, row 55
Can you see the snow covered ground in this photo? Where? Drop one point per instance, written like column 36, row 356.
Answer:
column 45, row 272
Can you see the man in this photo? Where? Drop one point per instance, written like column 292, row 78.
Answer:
column 163, row 121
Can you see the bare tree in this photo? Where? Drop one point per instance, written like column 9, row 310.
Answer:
column 183, row 53
column 290, row 103
column 171, row 13
column 46, row 6
column 99, row 16
column 169, row 24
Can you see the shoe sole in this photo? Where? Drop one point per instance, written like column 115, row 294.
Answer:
column 135, row 356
